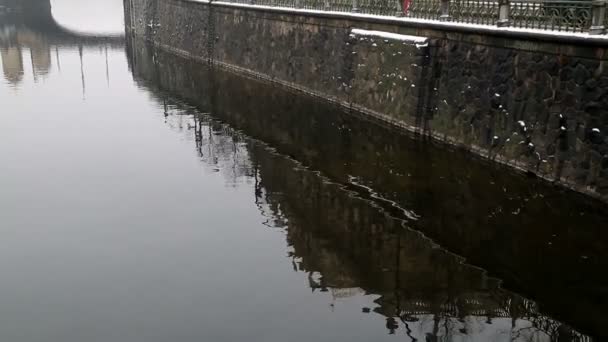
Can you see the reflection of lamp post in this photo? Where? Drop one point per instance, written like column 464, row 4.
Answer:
column 57, row 58
column 80, row 53
column 107, row 67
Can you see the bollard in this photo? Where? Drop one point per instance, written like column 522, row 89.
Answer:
column 598, row 15
column 445, row 10
column 503, row 13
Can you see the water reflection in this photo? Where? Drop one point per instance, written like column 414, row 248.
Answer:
column 111, row 231
column 349, row 247
column 19, row 45
column 351, row 193
column 12, row 64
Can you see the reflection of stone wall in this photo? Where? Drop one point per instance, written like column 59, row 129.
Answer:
column 526, row 233
column 346, row 244
column 355, row 246
column 501, row 102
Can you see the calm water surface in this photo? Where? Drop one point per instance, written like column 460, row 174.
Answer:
column 147, row 198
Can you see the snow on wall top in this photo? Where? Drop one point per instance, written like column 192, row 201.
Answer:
column 389, row 35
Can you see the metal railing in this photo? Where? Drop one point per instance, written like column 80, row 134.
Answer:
column 556, row 15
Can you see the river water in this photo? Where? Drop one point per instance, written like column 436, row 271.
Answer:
column 145, row 197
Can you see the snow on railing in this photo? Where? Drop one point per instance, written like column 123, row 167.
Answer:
column 553, row 15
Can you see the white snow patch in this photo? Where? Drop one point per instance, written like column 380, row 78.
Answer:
column 390, row 35
column 596, row 130
column 521, row 123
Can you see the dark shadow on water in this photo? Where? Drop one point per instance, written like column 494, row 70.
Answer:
column 369, row 209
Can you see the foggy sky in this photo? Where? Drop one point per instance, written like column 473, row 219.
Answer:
column 90, row 16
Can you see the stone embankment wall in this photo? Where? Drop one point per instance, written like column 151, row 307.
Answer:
column 541, row 106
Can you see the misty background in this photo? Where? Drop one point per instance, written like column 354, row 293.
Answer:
column 75, row 15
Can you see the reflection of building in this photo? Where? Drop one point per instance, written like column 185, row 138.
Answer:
column 12, row 64
column 40, row 51
column 41, row 60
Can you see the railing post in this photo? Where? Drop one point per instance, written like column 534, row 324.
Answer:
column 355, row 7
column 598, row 15
column 445, row 10
column 400, row 12
column 504, row 19
column 327, row 5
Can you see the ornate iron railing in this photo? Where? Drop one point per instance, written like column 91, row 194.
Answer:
column 425, row 9
column 474, row 11
column 379, row 7
column 558, row 15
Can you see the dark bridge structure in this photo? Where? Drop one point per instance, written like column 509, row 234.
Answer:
column 36, row 16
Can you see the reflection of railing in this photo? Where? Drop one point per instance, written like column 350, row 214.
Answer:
column 557, row 15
